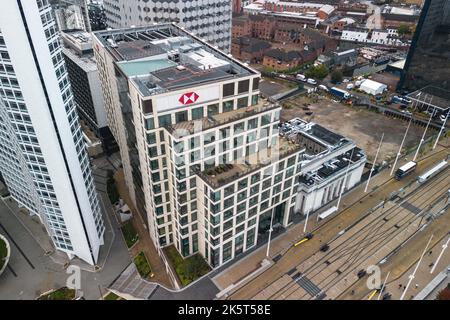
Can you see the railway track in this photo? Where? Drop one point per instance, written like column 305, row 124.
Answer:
column 358, row 246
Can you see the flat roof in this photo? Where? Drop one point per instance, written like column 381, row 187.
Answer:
column 314, row 131
column 165, row 57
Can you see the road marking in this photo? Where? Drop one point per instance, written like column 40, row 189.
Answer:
column 300, row 242
column 411, row 276
column 372, row 294
column 444, row 247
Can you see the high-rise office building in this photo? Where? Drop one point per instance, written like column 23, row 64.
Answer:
column 202, row 155
column 208, row 19
column 427, row 63
column 43, row 158
column 86, row 87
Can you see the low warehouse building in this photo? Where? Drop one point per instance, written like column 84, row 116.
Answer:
column 372, row 87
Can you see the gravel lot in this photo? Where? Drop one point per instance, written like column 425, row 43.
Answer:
column 362, row 126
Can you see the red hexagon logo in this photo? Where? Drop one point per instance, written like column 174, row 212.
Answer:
column 188, row 98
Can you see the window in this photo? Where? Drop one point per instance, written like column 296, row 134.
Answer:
column 265, row 119
column 181, row 116
column 197, row 113
column 255, row 84
column 147, row 106
column 252, row 124
column 165, row 121
column 213, row 109
column 228, row 89
column 239, row 127
column 151, row 138
column 242, row 184
column 209, row 137
column 243, row 86
column 228, row 106
column 242, row 102
column 255, row 99
column 149, row 124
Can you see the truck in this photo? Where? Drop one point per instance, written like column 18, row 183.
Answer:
column 340, row 93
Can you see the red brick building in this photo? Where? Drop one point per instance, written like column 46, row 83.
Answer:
column 280, row 60
column 249, row 49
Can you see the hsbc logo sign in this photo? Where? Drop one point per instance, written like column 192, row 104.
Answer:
column 188, row 98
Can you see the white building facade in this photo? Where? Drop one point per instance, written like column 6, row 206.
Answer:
column 202, row 155
column 210, row 20
column 43, row 157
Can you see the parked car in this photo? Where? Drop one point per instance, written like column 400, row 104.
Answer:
column 323, row 87
column 300, row 77
column 312, row 81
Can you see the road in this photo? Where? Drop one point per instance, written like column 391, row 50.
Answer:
column 306, row 272
column 374, row 21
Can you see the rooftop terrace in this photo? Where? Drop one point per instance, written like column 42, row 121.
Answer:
column 227, row 173
column 193, row 126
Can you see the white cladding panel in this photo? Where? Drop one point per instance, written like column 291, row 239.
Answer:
column 171, row 102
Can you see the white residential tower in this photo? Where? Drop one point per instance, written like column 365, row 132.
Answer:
column 43, row 158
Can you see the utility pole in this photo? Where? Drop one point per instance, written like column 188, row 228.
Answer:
column 423, row 139
column 374, row 162
column 442, row 130
column 344, row 182
column 401, row 147
column 270, row 233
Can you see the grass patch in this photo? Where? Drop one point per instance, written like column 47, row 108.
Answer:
column 111, row 296
column 129, row 233
column 188, row 269
column 111, row 188
column 3, row 252
column 63, row 293
column 143, row 266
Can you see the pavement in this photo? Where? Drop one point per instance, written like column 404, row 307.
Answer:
column 145, row 243
column 36, row 267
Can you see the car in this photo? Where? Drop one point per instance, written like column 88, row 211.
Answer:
column 311, row 81
column 323, row 87
column 361, row 273
column 300, row 77
column 309, row 236
column 442, row 118
column 387, row 296
column 324, row 247
column 283, row 76
column 346, row 80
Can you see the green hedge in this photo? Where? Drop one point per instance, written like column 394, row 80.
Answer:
column 129, row 233
column 3, row 252
column 142, row 265
column 63, row 293
column 111, row 188
column 188, row 269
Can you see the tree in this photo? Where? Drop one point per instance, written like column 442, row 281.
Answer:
column 403, row 29
column 318, row 72
column 337, row 76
